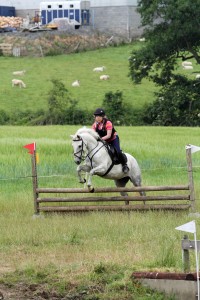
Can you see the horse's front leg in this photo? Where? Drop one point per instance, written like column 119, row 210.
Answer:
column 80, row 169
column 95, row 171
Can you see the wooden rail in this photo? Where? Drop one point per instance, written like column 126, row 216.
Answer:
column 176, row 197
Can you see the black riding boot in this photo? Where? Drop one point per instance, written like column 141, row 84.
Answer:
column 123, row 161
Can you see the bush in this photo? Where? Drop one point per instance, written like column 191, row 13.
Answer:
column 177, row 104
column 27, row 117
column 4, row 117
column 120, row 112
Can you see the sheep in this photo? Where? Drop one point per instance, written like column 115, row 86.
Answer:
column 18, row 82
column 20, row 73
column 186, row 63
column 104, row 77
column 76, row 83
column 197, row 76
column 188, row 67
column 99, row 69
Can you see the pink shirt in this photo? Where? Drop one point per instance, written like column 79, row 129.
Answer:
column 108, row 126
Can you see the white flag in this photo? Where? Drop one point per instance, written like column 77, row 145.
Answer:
column 188, row 227
column 193, row 148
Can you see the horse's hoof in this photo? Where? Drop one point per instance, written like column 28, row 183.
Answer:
column 82, row 181
column 91, row 189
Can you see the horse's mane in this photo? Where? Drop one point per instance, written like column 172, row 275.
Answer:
column 89, row 131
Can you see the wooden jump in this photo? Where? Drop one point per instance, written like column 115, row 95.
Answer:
column 171, row 200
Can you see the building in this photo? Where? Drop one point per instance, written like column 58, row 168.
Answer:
column 117, row 16
column 114, row 16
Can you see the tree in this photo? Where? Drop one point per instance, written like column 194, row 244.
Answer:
column 171, row 31
column 113, row 104
column 58, row 101
column 62, row 109
column 176, row 105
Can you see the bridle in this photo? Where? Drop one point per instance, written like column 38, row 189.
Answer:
column 81, row 151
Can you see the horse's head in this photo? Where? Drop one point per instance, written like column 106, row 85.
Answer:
column 79, row 148
column 83, row 141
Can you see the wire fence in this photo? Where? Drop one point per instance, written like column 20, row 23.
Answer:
column 62, row 175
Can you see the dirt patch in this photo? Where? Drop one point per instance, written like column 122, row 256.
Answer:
column 38, row 292
column 23, row 292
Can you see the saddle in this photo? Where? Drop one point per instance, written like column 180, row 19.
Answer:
column 116, row 160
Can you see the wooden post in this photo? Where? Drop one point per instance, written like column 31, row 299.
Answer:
column 35, row 182
column 186, row 257
column 190, row 177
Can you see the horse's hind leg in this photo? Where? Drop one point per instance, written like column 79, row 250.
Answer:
column 122, row 183
column 137, row 181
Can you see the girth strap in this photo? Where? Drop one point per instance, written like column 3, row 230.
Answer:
column 111, row 166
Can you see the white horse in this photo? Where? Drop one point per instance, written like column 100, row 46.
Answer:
column 88, row 147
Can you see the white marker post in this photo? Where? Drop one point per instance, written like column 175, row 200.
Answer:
column 191, row 227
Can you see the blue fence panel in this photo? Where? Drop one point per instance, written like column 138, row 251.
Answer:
column 77, row 15
column 43, row 17
column 55, row 14
column 66, row 13
column 7, row 11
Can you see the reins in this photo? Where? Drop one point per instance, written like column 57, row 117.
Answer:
column 90, row 158
column 81, row 151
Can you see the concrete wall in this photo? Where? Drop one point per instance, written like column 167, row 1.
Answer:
column 123, row 20
column 181, row 289
column 98, row 3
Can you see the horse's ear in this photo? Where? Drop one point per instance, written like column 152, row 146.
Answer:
column 72, row 136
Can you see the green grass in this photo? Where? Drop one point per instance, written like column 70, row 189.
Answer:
column 67, row 68
column 88, row 249
column 77, row 244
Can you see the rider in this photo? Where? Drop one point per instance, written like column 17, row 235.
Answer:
column 107, row 132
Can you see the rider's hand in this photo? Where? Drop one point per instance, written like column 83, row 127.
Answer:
column 104, row 142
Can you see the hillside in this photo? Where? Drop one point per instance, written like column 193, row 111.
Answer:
column 67, row 68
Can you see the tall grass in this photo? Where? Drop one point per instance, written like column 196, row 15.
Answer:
column 74, row 244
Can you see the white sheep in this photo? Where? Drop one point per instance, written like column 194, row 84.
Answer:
column 20, row 73
column 186, row 63
column 188, row 67
column 76, row 83
column 197, row 76
column 18, row 82
column 99, row 69
column 104, row 77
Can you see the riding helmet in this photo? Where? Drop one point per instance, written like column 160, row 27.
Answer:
column 99, row 112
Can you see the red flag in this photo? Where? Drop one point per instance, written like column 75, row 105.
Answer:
column 30, row 147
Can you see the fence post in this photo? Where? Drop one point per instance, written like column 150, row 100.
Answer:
column 186, row 258
column 35, row 182
column 190, row 177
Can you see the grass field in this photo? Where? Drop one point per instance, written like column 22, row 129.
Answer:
column 80, row 250
column 67, row 68
column 90, row 255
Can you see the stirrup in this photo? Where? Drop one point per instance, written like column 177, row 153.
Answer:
column 125, row 169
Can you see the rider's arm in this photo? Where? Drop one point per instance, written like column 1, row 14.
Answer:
column 108, row 135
